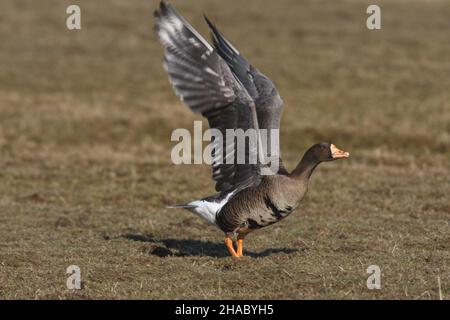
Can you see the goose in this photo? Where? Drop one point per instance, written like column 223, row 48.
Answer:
column 220, row 84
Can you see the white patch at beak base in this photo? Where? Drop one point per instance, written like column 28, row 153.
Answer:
column 337, row 153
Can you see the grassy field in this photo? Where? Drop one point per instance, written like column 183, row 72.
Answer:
column 85, row 170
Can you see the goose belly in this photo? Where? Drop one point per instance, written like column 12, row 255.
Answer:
column 255, row 213
column 269, row 214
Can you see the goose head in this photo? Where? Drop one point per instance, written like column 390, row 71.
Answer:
column 320, row 152
column 328, row 152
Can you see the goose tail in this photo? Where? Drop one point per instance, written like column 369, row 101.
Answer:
column 181, row 206
column 202, row 208
column 208, row 207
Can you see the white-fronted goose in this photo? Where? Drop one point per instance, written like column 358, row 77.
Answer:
column 224, row 87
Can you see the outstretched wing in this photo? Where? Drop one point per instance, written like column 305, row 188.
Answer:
column 204, row 82
column 267, row 100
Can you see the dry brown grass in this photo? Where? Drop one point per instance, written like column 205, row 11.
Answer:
column 85, row 172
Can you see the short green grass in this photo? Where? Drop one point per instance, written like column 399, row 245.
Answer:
column 85, row 170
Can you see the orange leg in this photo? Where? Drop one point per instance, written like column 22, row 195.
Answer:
column 229, row 244
column 240, row 245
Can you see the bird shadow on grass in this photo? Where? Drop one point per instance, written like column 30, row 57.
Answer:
column 186, row 247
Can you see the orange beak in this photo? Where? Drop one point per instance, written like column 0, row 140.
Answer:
column 337, row 153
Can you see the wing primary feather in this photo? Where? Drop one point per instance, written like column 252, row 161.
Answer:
column 204, row 80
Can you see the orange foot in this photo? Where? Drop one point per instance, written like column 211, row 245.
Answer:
column 229, row 244
column 240, row 246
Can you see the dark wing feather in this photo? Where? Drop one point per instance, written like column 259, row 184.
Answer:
column 205, row 83
column 268, row 102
